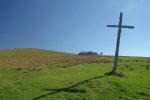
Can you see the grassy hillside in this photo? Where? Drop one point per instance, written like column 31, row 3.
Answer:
column 37, row 58
column 34, row 74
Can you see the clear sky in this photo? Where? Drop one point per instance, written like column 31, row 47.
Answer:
column 75, row 25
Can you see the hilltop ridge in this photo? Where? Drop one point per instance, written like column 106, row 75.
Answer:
column 32, row 58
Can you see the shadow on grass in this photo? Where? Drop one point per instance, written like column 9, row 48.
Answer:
column 67, row 89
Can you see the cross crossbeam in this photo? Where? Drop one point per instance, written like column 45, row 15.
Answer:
column 123, row 26
column 119, row 26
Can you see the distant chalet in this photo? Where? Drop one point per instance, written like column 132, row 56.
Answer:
column 88, row 53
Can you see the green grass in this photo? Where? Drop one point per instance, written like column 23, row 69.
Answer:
column 80, row 81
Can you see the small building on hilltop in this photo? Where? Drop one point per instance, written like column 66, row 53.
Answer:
column 87, row 53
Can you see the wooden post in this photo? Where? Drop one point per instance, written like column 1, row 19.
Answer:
column 119, row 26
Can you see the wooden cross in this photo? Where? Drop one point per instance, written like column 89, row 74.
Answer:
column 119, row 26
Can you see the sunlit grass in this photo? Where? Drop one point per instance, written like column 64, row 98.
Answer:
column 61, row 76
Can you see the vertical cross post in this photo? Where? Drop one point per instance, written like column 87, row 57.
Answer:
column 119, row 26
column 118, row 44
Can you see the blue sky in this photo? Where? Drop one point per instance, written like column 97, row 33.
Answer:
column 75, row 25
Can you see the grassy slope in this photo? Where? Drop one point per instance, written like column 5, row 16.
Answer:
column 84, row 80
column 36, row 58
